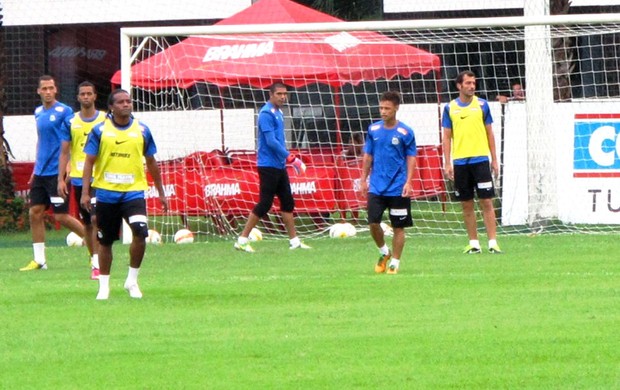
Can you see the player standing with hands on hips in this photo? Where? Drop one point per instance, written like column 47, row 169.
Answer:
column 272, row 157
column 389, row 159
column 117, row 148
column 468, row 141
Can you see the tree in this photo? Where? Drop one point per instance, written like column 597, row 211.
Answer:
column 349, row 10
column 563, row 56
column 6, row 180
column 13, row 212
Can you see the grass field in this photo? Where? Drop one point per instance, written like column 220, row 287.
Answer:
column 543, row 315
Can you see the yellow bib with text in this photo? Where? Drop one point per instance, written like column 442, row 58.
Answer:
column 79, row 133
column 120, row 162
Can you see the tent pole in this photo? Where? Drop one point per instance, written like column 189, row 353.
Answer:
column 337, row 111
column 222, row 140
column 443, row 197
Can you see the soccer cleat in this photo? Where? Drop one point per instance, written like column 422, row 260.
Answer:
column 495, row 250
column 382, row 263
column 33, row 265
column 133, row 290
column 244, row 247
column 392, row 270
column 94, row 274
column 471, row 250
column 300, row 246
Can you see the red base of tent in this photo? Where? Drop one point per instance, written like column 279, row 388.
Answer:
column 211, row 185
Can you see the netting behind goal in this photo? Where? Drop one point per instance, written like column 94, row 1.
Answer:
column 200, row 95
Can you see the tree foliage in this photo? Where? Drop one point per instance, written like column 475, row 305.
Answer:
column 563, row 56
column 13, row 211
column 349, row 10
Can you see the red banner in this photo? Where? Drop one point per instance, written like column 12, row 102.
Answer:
column 214, row 184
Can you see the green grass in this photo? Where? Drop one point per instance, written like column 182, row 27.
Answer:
column 543, row 315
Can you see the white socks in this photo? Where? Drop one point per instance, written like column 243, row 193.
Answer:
column 132, row 276
column 39, row 252
column 94, row 261
column 104, row 287
column 394, row 263
column 384, row 250
column 131, row 285
column 474, row 243
column 295, row 242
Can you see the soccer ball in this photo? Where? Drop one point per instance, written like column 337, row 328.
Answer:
column 387, row 229
column 255, row 235
column 342, row 230
column 74, row 240
column 183, row 236
column 154, row 237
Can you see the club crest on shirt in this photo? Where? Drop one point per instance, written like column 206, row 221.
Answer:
column 52, row 118
column 395, row 141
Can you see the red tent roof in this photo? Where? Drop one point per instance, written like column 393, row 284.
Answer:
column 278, row 11
column 297, row 59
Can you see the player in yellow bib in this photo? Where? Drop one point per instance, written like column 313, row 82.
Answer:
column 75, row 132
column 117, row 148
column 470, row 159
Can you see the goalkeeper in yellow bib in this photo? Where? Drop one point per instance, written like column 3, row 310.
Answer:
column 75, row 131
column 117, row 147
column 468, row 142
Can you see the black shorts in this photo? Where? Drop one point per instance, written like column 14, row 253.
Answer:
column 110, row 218
column 473, row 177
column 44, row 191
column 400, row 210
column 85, row 215
column 274, row 182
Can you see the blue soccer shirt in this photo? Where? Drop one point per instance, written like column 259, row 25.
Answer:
column 49, row 129
column 389, row 149
column 271, row 142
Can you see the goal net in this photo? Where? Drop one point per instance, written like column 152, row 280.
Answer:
column 200, row 89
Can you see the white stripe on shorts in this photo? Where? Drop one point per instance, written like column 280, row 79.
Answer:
column 486, row 185
column 137, row 218
column 398, row 212
column 56, row 200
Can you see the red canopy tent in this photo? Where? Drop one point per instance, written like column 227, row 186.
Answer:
column 297, row 59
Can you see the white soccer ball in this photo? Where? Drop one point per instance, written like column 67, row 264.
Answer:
column 342, row 230
column 387, row 229
column 255, row 235
column 154, row 237
column 183, row 236
column 74, row 240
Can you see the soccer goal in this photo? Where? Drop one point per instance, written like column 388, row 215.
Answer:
column 200, row 89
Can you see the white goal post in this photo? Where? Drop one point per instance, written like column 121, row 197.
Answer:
column 557, row 154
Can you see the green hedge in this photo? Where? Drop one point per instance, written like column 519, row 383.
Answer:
column 14, row 215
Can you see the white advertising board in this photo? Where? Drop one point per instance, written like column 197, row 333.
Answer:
column 41, row 12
